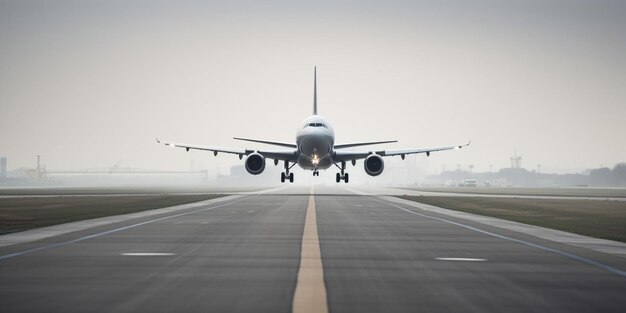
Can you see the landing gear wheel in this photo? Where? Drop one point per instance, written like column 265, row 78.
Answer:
column 338, row 177
column 291, row 177
column 282, row 177
column 345, row 178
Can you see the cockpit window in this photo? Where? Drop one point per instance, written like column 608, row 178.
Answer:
column 315, row 125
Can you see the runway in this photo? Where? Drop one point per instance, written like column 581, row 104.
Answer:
column 243, row 254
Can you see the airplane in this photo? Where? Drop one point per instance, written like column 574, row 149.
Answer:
column 314, row 150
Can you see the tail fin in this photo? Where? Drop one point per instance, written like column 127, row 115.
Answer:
column 315, row 90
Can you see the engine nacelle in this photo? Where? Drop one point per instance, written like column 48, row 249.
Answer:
column 374, row 165
column 255, row 163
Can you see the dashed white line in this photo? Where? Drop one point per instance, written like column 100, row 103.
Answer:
column 104, row 233
column 572, row 256
column 147, row 254
column 461, row 259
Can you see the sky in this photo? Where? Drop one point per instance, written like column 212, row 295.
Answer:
column 88, row 84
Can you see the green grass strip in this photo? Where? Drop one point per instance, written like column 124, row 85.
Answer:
column 595, row 218
column 18, row 214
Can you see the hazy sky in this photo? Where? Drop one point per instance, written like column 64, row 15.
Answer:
column 88, row 83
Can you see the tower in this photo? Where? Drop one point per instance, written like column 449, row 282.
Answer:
column 3, row 168
column 516, row 161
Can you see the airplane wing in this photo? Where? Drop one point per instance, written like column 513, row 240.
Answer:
column 282, row 155
column 423, row 150
column 275, row 143
column 288, row 155
column 357, row 144
column 353, row 155
column 215, row 150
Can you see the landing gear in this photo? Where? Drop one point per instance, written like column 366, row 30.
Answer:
column 316, row 173
column 345, row 177
column 286, row 175
column 342, row 176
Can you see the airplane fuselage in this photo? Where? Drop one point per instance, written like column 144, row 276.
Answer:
column 315, row 140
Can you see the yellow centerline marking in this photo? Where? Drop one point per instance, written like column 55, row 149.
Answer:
column 310, row 295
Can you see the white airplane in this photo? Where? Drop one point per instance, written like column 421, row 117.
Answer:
column 314, row 150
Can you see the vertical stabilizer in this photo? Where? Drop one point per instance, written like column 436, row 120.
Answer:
column 315, row 90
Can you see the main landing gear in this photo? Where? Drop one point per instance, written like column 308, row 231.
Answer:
column 286, row 175
column 342, row 176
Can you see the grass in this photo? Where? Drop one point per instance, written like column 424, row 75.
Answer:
column 77, row 191
column 565, row 192
column 595, row 218
column 18, row 214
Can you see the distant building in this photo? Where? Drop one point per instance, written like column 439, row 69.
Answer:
column 469, row 183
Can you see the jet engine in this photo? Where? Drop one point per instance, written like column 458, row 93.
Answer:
column 255, row 163
column 374, row 165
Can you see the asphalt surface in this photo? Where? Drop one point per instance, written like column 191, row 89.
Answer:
column 243, row 255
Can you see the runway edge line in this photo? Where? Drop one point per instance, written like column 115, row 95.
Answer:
column 572, row 256
column 115, row 230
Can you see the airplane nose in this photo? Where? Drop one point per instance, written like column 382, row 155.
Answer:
column 316, row 146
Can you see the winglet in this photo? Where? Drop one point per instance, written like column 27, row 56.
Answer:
column 465, row 145
column 315, row 90
column 158, row 141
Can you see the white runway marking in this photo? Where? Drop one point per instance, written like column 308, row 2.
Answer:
column 520, row 241
column 104, row 233
column 147, row 254
column 461, row 259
